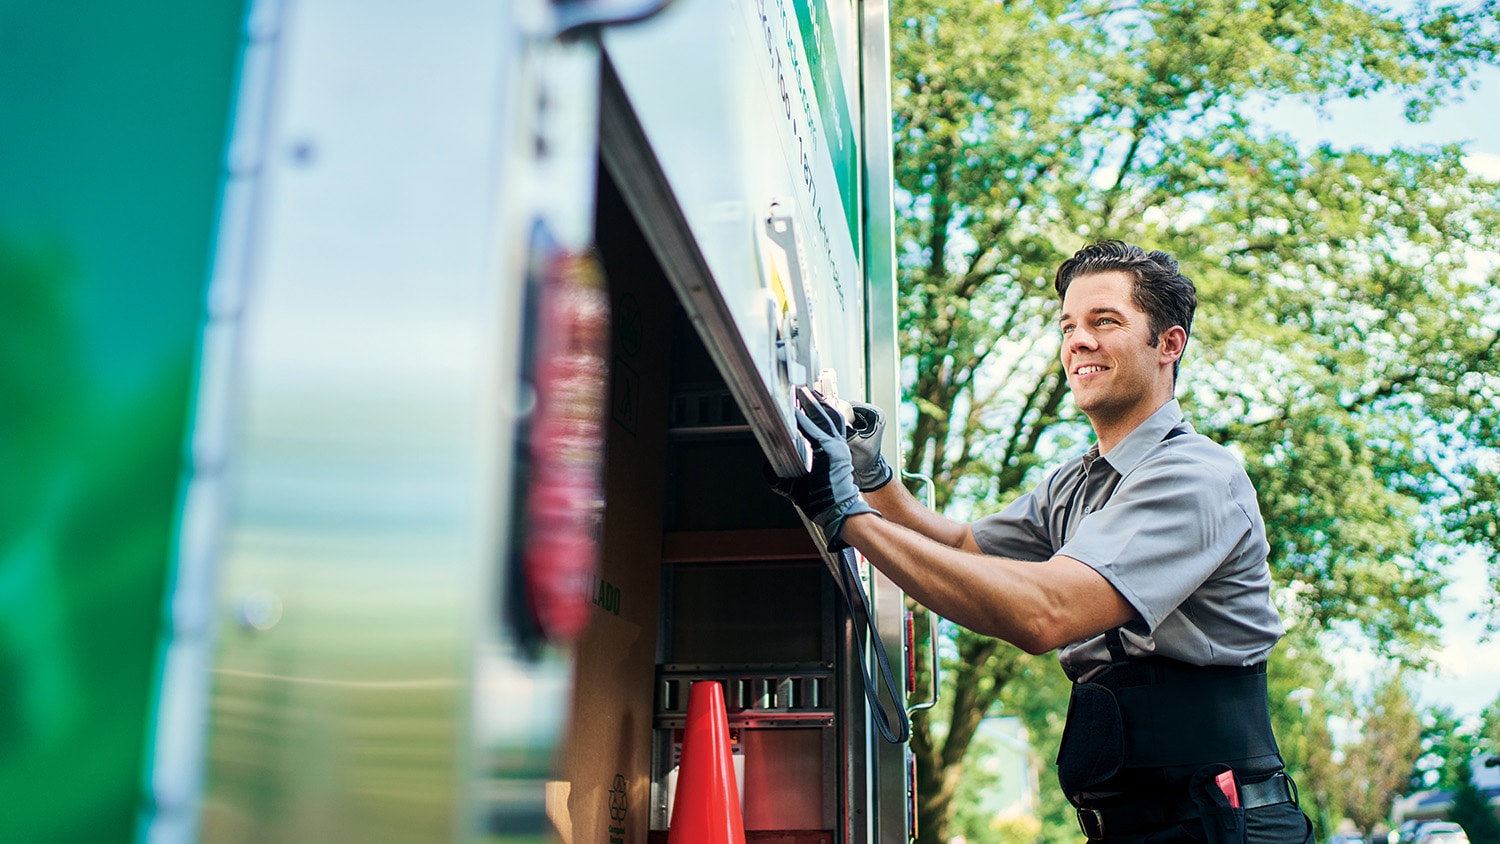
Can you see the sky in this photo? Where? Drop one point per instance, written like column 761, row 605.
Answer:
column 1377, row 123
column 1467, row 673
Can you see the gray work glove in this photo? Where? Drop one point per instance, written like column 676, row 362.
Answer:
column 871, row 472
column 827, row 494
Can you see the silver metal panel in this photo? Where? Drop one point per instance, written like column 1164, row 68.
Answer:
column 363, row 689
column 858, row 814
column 724, row 99
column 890, row 780
column 170, row 808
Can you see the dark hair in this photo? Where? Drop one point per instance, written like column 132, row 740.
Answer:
column 1165, row 295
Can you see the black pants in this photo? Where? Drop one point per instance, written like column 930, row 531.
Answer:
column 1193, row 808
column 1281, row 823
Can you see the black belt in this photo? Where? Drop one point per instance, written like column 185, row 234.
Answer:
column 1269, row 792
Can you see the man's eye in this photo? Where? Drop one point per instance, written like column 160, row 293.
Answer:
column 1067, row 329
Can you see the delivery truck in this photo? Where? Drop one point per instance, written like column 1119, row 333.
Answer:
column 495, row 315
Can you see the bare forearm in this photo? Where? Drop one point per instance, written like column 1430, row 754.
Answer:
column 899, row 506
column 1035, row 606
column 955, row 584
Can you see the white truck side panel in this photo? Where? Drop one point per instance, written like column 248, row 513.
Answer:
column 725, row 96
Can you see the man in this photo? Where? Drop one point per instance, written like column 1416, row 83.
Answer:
column 1143, row 560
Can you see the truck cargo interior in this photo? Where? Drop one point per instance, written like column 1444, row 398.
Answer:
column 706, row 575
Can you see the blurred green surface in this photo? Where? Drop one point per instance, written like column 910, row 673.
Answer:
column 113, row 121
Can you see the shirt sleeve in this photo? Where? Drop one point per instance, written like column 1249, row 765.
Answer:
column 1020, row 531
column 1170, row 524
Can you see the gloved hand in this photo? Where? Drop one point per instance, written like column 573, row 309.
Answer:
column 871, row 472
column 827, row 494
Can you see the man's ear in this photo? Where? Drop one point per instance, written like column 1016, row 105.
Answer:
column 1173, row 341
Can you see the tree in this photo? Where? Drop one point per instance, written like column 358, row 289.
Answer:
column 1302, row 689
column 1033, row 695
column 1447, row 746
column 1471, row 810
column 1489, row 728
column 1378, row 760
column 972, row 681
column 1345, row 343
column 981, row 819
column 1455, row 747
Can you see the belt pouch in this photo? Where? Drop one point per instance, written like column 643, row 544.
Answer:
column 1222, row 823
column 1093, row 740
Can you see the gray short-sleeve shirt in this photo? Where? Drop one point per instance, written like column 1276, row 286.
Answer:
column 1173, row 524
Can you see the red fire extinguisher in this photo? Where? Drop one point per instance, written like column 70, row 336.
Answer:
column 565, row 369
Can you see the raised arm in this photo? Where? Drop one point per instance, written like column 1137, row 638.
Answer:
column 1035, row 606
column 901, row 507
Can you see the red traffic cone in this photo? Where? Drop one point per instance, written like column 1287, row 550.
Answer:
column 706, row 809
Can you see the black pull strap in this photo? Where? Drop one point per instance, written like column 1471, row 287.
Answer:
column 894, row 730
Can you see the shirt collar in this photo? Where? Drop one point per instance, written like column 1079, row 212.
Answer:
column 1132, row 450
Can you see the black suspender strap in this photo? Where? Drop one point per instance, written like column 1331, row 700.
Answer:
column 1115, row 645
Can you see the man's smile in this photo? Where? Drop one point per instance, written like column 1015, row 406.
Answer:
column 1089, row 369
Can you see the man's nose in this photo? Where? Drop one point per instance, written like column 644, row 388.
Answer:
column 1080, row 338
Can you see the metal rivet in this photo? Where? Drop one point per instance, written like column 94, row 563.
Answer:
column 259, row 609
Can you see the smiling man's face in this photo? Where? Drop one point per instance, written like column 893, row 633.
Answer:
column 1117, row 376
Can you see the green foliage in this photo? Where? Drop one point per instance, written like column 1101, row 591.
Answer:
column 1489, row 728
column 1040, row 697
column 971, row 817
column 974, row 672
column 1471, row 810
column 979, row 817
column 1346, row 339
column 1378, row 759
column 1450, row 742
column 1446, row 747
column 1299, row 682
